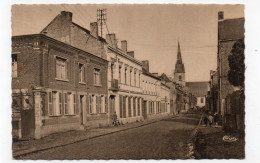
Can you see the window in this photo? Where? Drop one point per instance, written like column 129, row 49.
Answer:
column 91, row 104
column 180, row 77
column 66, row 108
column 112, row 71
column 125, row 76
column 14, row 65
column 120, row 74
column 55, row 103
column 103, row 104
column 134, row 106
column 130, row 77
column 98, row 103
column 138, row 106
column 135, row 78
column 82, row 73
column 69, row 103
column 97, row 79
column 129, row 106
column 139, row 79
column 61, row 68
column 202, row 100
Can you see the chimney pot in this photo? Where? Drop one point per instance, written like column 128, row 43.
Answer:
column 220, row 15
column 145, row 65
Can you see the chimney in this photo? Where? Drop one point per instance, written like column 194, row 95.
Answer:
column 131, row 53
column 220, row 15
column 145, row 65
column 124, row 46
column 94, row 29
column 111, row 39
column 67, row 15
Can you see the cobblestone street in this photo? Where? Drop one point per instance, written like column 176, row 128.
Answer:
column 161, row 140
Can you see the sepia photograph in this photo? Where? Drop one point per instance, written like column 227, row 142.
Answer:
column 128, row 81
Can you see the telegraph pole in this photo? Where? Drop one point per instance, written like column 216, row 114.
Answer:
column 101, row 19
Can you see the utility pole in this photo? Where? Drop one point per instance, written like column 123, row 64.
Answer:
column 101, row 19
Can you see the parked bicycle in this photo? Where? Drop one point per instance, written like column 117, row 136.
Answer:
column 115, row 121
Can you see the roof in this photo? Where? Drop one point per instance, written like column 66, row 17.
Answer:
column 198, row 89
column 88, row 32
column 165, row 78
column 57, row 42
column 231, row 29
column 150, row 74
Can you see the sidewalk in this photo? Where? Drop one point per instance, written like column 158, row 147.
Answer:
column 209, row 145
column 70, row 137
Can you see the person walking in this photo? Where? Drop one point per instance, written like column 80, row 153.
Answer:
column 206, row 120
column 216, row 119
column 210, row 120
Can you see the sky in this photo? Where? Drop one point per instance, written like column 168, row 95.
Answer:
column 151, row 30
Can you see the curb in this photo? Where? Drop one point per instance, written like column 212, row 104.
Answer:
column 191, row 143
column 16, row 155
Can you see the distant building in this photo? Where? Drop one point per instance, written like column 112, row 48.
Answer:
column 156, row 95
column 199, row 90
column 179, row 71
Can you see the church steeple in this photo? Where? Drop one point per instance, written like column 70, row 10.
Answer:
column 179, row 60
column 179, row 66
column 179, row 72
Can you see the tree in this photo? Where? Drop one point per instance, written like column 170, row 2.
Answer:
column 236, row 74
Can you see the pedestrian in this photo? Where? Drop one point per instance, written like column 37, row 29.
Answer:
column 206, row 120
column 216, row 119
column 210, row 120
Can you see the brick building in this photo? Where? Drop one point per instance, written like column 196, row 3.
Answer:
column 56, row 87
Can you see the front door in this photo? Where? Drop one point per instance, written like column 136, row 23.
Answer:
column 112, row 104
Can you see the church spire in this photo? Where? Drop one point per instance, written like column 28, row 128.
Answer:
column 179, row 66
column 179, row 60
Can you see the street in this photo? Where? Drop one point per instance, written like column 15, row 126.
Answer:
column 161, row 140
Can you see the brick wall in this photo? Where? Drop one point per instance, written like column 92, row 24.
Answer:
column 63, row 29
column 36, row 57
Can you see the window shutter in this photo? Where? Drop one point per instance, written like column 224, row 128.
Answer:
column 45, row 111
column 106, row 105
column 76, row 109
column 97, row 104
column 50, row 106
column 85, row 73
column 121, row 106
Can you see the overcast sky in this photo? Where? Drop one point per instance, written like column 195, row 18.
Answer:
column 152, row 31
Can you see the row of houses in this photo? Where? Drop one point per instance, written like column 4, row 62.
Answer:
column 69, row 78
column 223, row 97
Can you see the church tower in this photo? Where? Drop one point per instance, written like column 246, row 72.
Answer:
column 179, row 72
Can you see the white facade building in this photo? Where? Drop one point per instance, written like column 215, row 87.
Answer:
column 124, row 84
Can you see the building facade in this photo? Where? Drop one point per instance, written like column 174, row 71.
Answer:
column 56, row 87
column 156, row 95
column 124, row 82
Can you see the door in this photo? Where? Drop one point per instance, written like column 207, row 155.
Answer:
column 112, row 104
column 27, row 123
column 81, row 109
